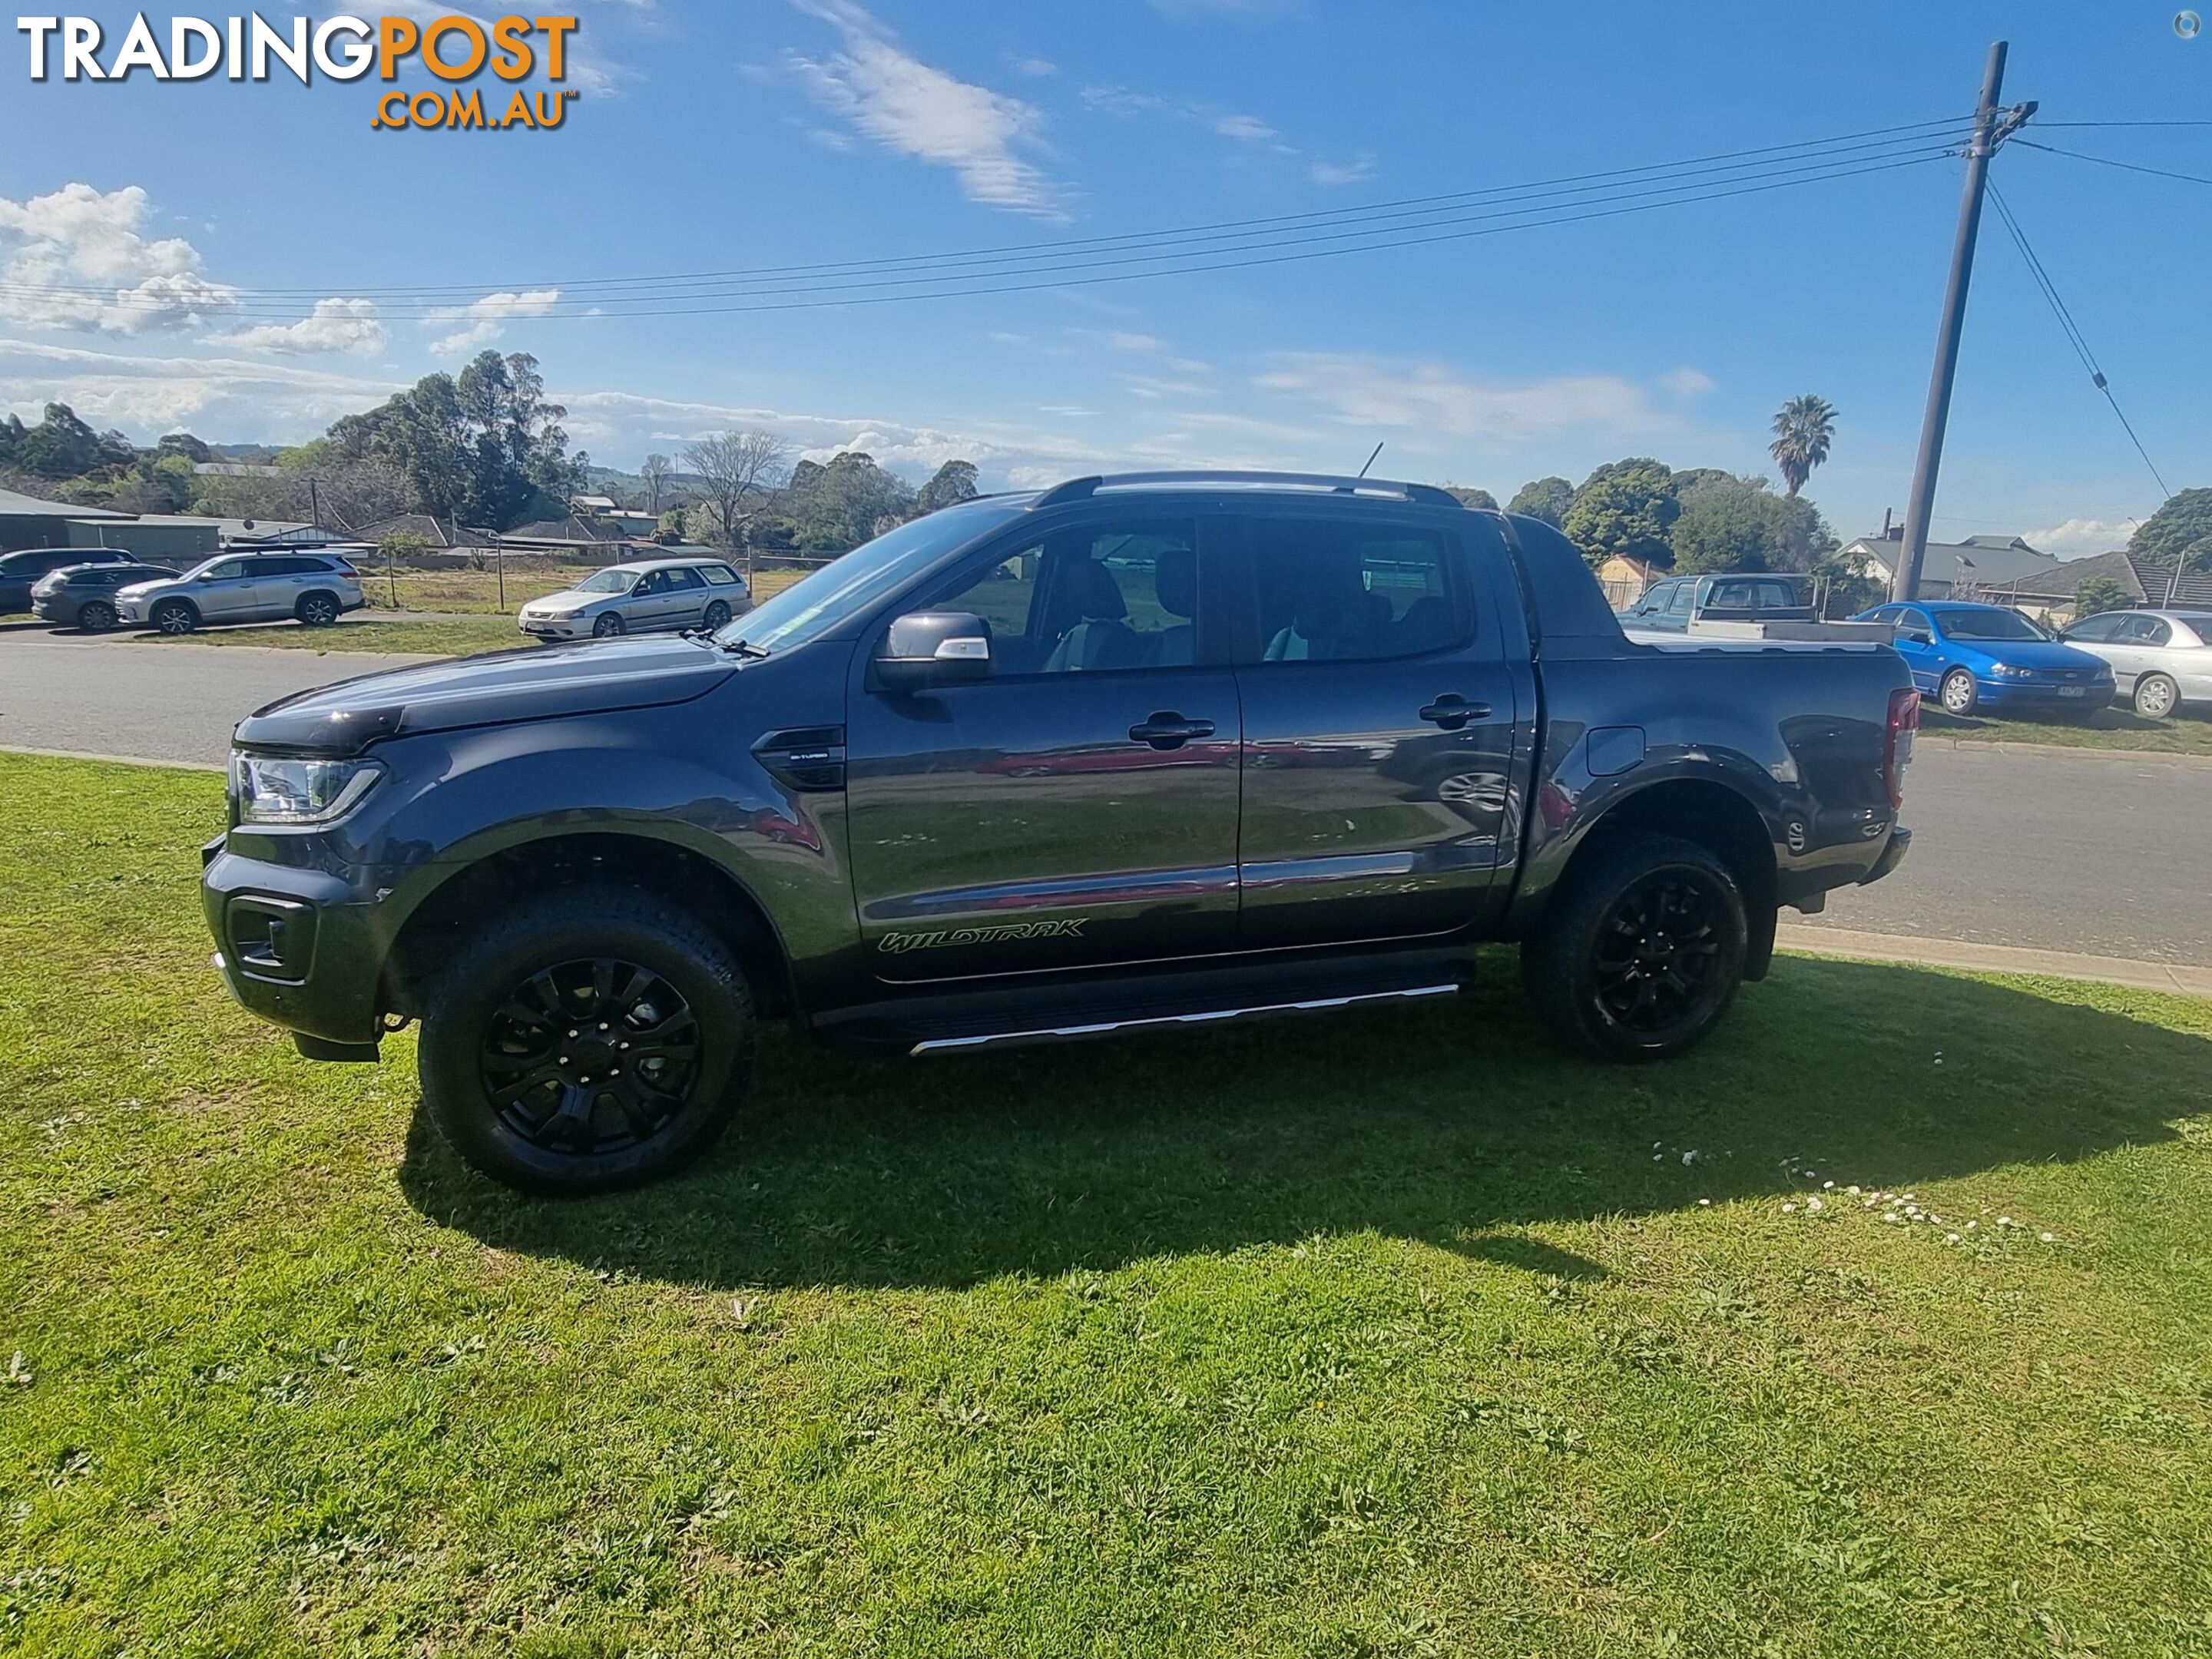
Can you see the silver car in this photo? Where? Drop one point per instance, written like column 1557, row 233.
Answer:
column 650, row 593
column 317, row 588
column 2162, row 659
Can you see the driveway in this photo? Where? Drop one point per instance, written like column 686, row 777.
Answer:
column 2053, row 849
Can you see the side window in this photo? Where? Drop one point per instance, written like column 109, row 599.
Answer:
column 1681, row 601
column 683, row 578
column 1909, row 617
column 1118, row 594
column 654, row 581
column 718, row 575
column 230, row 570
column 1331, row 592
column 2096, row 630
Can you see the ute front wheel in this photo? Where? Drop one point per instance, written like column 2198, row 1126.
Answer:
column 591, row 1039
column 1641, row 955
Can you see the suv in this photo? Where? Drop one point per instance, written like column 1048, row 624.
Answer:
column 317, row 588
column 21, row 571
column 1155, row 751
column 83, row 595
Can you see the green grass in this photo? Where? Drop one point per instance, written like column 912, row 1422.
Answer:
column 2108, row 728
column 1387, row 1333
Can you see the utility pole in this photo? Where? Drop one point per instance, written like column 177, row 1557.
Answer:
column 315, row 500
column 1991, row 127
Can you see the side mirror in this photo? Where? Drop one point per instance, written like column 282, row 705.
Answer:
column 1917, row 635
column 935, row 648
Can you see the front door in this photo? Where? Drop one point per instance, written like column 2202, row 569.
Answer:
column 231, row 593
column 1923, row 652
column 1379, row 722
column 1077, row 808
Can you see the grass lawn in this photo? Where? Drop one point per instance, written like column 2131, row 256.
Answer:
column 477, row 591
column 1386, row 1334
column 452, row 637
column 2116, row 727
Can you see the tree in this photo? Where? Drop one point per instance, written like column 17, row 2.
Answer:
column 1732, row 523
column 1467, row 495
column 2101, row 593
column 1547, row 499
column 654, row 470
column 736, row 466
column 1624, row 507
column 953, row 482
column 2178, row 534
column 1802, row 430
column 835, row 508
column 183, row 444
column 63, row 447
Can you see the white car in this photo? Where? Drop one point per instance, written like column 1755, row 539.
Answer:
column 2162, row 659
column 317, row 588
column 636, row 598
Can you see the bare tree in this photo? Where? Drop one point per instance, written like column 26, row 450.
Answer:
column 654, row 469
column 735, row 465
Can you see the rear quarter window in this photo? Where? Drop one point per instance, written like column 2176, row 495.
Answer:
column 718, row 575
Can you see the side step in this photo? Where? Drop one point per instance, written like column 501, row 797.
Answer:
column 1169, row 1022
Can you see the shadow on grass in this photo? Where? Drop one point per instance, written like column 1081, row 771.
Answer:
column 1452, row 1123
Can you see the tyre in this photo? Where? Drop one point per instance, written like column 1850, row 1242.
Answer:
column 607, row 626
column 2156, row 696
column 1641, row 955
column 317, row 610
column 175, row 616
column 589, row 1039
column 716, row 614
column 1958, row 693
column 96, row 615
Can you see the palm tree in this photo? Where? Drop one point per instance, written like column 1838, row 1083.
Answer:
column 1801, row 431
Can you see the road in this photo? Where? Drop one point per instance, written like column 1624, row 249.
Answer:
column 2093, row 851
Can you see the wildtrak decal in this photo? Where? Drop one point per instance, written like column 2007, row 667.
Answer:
column 895, row 943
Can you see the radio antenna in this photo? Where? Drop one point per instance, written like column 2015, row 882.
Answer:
column 1370, row 458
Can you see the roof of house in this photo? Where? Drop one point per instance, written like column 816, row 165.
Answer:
column 15, row 506
column 1979, row 562
column 565, row 530
column 601, row 503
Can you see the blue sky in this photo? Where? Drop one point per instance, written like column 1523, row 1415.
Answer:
column 763, row 132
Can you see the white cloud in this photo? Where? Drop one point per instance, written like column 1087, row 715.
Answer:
column 1686, row 382
column 1387, row 395
column 1036, row 67
column 1157, row 386
column 905, row 105
column 482, row 319
column 1122, row 340
column 1331, row 175
column 79, row 257
column 2081, row 539
column 1244, row 129
column 333, row 326
column 234, row 397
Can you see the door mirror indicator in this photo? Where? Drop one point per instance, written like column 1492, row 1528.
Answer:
column 935, row 648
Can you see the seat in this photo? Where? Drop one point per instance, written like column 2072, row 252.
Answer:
column 1426, row 626
column 1101, row 639
column 1175, row 584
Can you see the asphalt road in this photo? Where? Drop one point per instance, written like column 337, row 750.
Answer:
column 2096, row 851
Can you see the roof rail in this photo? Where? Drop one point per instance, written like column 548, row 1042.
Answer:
column 1078, row 490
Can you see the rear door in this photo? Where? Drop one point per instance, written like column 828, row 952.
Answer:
column 1078, row 808
column 1380, row 721
column 681, row 600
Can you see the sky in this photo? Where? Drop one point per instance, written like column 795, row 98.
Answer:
column 249, row 261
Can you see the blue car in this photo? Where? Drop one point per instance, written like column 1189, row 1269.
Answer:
column 1989, row 658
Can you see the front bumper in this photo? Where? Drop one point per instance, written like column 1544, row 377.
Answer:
column 300, row 948
column 2083, row 694
column 555, row 628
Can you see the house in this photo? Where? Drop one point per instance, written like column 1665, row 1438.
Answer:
column 1625, row 579
column 1978, row 567
column 2143, row 581
column 27, row 521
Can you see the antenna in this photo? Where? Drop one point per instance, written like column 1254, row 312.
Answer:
column 1371, row 460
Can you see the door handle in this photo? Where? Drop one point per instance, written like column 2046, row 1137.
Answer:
column 1451, row 711
column 1166, row 729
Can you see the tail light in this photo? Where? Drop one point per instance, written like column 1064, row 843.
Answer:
column 1897, row 747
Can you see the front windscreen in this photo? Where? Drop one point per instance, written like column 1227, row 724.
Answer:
column 818, row 605
column 607, row 581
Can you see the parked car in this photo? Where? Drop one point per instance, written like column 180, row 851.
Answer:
column 880, row 807
column 317, row 588
column 1670, row 606
column 83, row 595
column 2161, row 660
column 21, row 571
column 640, row 596
column 1989, row 658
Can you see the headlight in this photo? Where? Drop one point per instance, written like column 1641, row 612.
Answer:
column 2007, row 671
column 271, row 789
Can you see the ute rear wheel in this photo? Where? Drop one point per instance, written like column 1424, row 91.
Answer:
column 1641, row 955
column 175, row 616
column 2155, row 697
column 591, row 1039
column 96, row 615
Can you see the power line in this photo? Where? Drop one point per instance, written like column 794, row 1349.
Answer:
column 1159, row 247
column 2074, row 335
column 2108, row 162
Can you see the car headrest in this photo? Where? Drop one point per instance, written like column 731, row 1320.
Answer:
column 1098, row 596
column 1174, row 580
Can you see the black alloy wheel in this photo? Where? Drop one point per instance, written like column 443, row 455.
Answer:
column 589, row 1057
column 1657, row 949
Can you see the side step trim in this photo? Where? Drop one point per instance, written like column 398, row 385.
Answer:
column 1168, row 1022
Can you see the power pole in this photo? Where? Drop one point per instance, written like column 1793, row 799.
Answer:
column 315, row 500
column 1991, row 127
